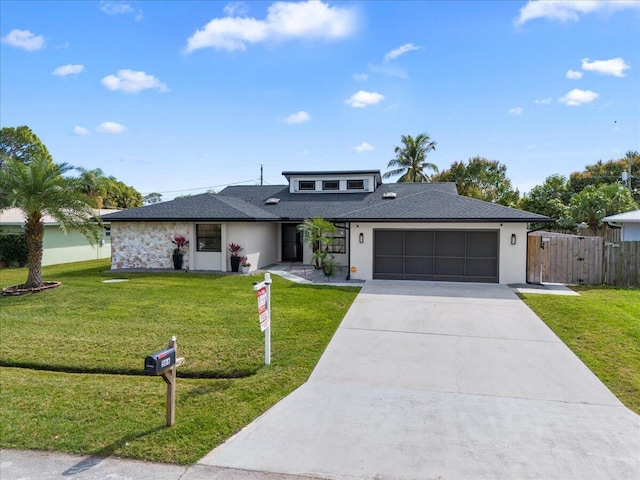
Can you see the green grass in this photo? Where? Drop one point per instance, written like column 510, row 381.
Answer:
column 602, row 327
column 72, row 358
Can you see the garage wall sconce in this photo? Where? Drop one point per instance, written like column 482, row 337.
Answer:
column 361, row 237
column 513, row 239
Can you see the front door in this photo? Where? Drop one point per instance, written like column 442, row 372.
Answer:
column 291, row 243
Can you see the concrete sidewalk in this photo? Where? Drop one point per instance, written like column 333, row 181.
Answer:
column 436, row 380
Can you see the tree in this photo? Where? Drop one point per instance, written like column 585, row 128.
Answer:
column 609, row 172
column 93, row 184
column 21, row 144
column 107, row 192
column 592, row 204
column 411, row 159
column 38, row 187
column 318, row 233
column 551, row 199
column 152, row 198
column 482, row 179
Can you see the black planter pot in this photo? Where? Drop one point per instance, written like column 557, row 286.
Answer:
column 177, row 261
column 235, row 264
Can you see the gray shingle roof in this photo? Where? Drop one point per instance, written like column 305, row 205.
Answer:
column 206, row 206
column 426, row 202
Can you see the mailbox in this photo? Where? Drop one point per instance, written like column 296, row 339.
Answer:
column 159, row 362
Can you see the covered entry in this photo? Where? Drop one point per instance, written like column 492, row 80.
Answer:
column 436, row 255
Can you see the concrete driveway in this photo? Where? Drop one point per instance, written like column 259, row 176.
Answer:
column 439, row 380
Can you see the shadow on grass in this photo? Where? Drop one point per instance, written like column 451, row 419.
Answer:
column 212, row 374
column 99, row 455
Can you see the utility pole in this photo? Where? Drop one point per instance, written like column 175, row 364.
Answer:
column 261, row 177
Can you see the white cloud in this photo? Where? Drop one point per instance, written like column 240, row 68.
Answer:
column 362, row 99
column 297, row 118
column 81, row 131
column 573, row 75
column 360, row 77
column 577, row 97
column 407, row 47
column 363, row 147
column 65, row 70
column 129, row 81
column 120, row 8
column 236, row 9
column 544, row 101
column 285, row 21
column 24, row 39
column 614, row 66
column 111, row 127
column 565, row 10
column 515, row 111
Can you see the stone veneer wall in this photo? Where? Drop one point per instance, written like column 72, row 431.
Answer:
column 146, row 244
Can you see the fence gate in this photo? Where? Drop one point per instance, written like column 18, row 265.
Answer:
column 570, row 259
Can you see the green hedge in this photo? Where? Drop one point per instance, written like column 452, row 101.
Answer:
column 13, row 249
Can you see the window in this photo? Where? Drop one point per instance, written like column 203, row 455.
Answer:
column 209, row 238
column 338, row 242
column 330, row 185
column 355, row 184
column 306, row 185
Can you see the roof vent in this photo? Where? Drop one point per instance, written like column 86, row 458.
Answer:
column 389, row 195
column 272, row 201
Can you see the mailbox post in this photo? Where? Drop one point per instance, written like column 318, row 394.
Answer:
column 165, row 362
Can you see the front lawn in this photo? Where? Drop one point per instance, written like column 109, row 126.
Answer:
column 602, row 327
column 72, row 358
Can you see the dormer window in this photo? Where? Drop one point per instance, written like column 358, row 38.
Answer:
column 355, row 184
column 306, row 185
column 330, row 185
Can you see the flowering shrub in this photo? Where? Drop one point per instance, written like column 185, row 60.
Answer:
column 244, row 261
column 234, row 248
column 180, row 242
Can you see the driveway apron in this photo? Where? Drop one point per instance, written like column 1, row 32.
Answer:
column 441, row 380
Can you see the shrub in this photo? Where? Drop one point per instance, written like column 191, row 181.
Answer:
column 13, row 249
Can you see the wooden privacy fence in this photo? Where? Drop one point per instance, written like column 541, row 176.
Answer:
column 570, row 259
column 578, row 260
column 622, row 264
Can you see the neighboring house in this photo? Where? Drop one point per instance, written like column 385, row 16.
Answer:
column 629, row 223
column 58, row 247
column 403, row 231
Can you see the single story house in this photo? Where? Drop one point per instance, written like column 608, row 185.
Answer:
column 402, row 231
column 629, row 222
column 58, row 247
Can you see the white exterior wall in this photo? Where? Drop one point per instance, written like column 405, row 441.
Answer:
column 512, row 258
column 259, row 242
column 369, row 183
column 147, row 244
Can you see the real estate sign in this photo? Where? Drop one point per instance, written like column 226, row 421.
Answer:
column 263, row 293
column 263, row 311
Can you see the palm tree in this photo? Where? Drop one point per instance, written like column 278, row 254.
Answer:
column 411, row 159
column 38, row 188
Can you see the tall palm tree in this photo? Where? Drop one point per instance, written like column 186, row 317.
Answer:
column 411, row 159
column 38, row 188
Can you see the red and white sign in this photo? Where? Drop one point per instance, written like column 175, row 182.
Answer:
column 263, row 311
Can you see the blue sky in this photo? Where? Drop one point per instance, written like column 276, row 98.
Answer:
column 179, row 97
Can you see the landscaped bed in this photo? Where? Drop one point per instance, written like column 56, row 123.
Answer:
column 72, row 358
column 602, row 327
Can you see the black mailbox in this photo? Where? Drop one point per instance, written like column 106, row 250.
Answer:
column 159, row 362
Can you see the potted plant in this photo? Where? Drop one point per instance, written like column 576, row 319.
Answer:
column 234, row 248
column 244, row 263
column 178, row 252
